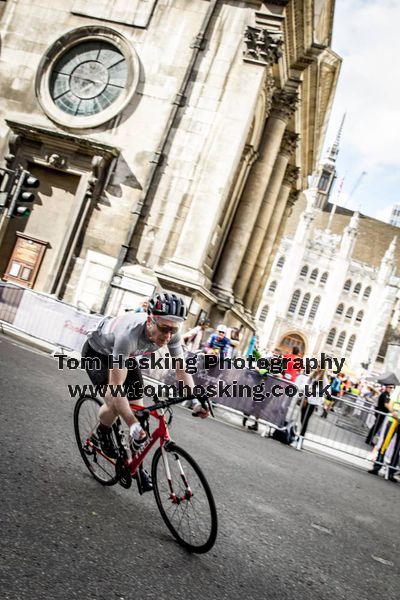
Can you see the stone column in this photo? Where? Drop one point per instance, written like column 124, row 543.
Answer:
column 272, row 239
column 267, row 209
column 284, row 104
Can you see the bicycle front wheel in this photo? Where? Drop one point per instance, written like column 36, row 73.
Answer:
column 85, row 424
column 184, row 499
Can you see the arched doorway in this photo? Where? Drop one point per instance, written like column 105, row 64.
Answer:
column 289, row 340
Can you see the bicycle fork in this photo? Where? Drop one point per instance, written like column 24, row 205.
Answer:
column 172, row 495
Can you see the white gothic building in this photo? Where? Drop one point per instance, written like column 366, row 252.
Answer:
column 333, row 287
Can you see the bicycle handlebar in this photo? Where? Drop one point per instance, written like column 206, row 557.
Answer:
column 159, row 404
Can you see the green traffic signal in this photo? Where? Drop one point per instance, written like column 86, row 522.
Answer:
column 22, row 195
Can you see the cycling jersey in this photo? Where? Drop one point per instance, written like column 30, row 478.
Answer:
column 126, row 336
column 221, row 346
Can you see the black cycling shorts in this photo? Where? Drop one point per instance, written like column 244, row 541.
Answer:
column 133, row 384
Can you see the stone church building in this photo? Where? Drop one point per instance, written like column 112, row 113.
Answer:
column 335, row 283
column 171, row 139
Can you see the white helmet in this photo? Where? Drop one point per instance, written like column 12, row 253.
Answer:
column 221, row 328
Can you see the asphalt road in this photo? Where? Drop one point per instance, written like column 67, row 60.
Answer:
column 292, row 525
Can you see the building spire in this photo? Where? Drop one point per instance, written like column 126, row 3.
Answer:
column 389, row 254
column 334, row 149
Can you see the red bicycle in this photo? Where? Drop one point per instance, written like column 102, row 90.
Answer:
column 181, row 490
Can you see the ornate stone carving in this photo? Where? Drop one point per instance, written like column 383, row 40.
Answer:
column 57, row 161
column 294, row 194
column 14, row 141
column 98, row 165
column 262, row 46
column 269, row 89
column 291, row 176
column 289, row 143
column 284, row 104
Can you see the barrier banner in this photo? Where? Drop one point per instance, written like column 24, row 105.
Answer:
column 10, row 299
column 47, row 318
column 237, row 388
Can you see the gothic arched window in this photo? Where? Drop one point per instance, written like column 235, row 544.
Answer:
column 280, row 263
column 272, row 287
column 324, row 278
column 349, row 313
column 304, row 305
column 303, row 272
column 367, row 293
column 339, row 310
column 314, row 275
column 294, row 301
column 350, row 344
column 263, row 314
column 314, row 308
column 359, row 317
column 357, row 289
column 331, row 337
column 341, row 339
column 347, row 285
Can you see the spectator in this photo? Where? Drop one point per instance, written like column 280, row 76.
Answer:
column 330, row 402
column 391, row 428
column 192, row 339
column 381, row 407
column 291, row 372
column 218, row 342
column 234, row 335
column 142, row 307
column 311, row 402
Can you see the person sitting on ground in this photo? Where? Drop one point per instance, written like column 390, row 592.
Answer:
column 127, row 336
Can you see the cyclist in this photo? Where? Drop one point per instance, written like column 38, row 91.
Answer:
column 218, row 343
column 128, row 336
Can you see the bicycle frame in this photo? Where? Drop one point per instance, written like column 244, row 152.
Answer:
column 161, row 433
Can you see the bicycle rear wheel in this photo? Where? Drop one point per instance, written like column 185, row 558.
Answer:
column 184, row 499
column 85, row 424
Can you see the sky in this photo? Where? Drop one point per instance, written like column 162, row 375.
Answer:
column 366, row 36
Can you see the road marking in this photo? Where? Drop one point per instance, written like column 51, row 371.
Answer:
column 322, row 528
column 383, row 561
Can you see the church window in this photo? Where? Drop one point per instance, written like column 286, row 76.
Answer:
column 347, row 285
column 339, row 310
column 264, row 314
column 357, row 289
column 314, row 308
column 272, row 287
column 304, row 305
column 331, row 337
column 324, row 278
column 280, row 263
column 367, row 293
column 350, row 344
column 303, row 272
column 341, row 339
column 324, row 181
column 314, row 275
column 359, row 317
column 349, row 313
column 294, row 301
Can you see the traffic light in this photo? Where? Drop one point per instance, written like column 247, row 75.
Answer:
column 22, row 197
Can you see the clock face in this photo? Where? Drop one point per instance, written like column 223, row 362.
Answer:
column 88, row 78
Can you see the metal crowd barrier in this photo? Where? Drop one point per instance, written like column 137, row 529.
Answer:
column 345, row 428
